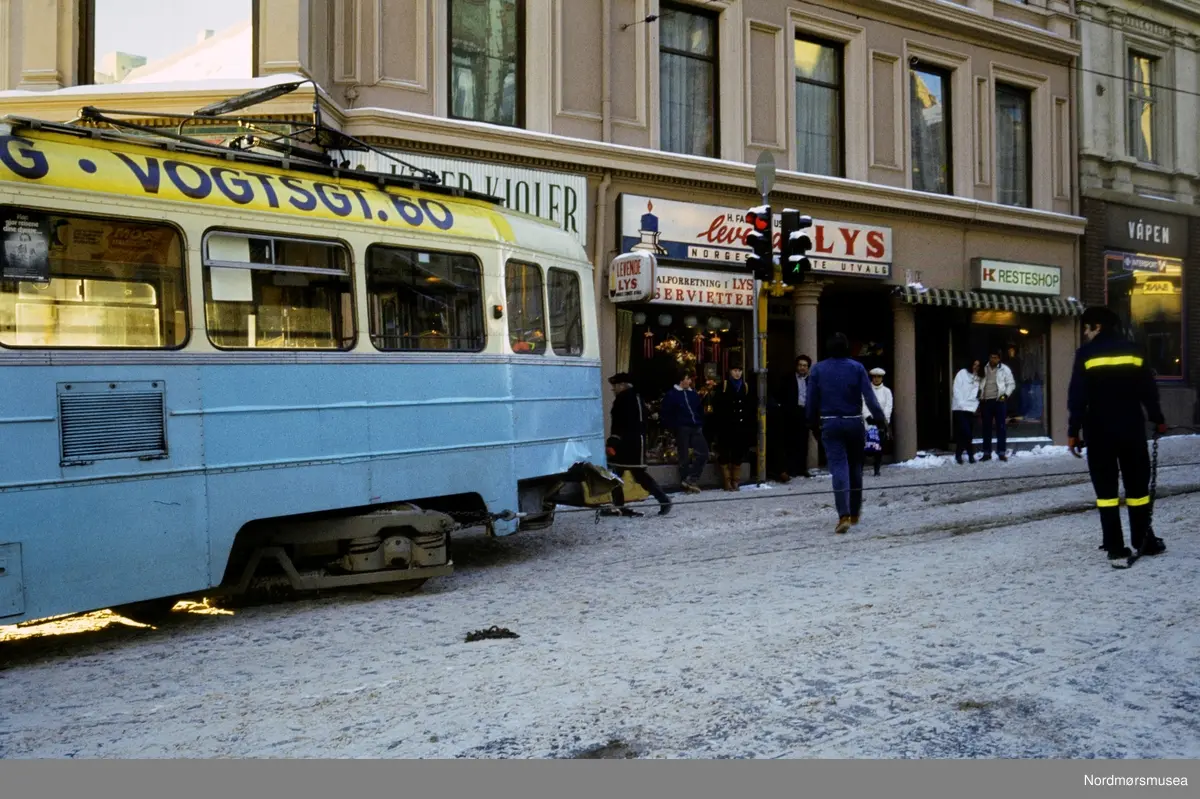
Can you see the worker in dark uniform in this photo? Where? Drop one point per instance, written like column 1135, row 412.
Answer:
column 1110, row 384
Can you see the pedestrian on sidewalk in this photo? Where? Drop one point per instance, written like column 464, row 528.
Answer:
column 682, row 413
column 875, row 436
column 998, row 384
column 734, row 406
column 837, row 389
column 1110, row 385
column 795, row 419
column 626, row 446
column 963, row 407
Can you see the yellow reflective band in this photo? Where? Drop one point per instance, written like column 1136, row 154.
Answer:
column 1136, row 501
column 1107, row 503
column 1113, row 360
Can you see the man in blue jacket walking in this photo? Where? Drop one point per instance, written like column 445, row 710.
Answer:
column 682, row 413
column 837, row 388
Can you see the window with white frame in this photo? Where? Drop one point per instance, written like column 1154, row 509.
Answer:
column 1142, row 104
column 688, row 105
column 929, row 125
column 151, row 41
column 818, row 71
column 1014, row 146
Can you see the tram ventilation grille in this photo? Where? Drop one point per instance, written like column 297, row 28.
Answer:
column 101, row 420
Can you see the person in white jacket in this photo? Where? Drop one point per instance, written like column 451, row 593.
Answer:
column 883, row 395
column 963, row 406
column 998, row 383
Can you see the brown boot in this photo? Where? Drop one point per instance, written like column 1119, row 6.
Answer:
column 726, row 477
column 735, row 475
column 843, row 525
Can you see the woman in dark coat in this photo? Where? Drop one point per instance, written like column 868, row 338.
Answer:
column 626, row 444
column 735, row 409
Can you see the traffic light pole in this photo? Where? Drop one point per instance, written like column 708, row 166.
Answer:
column 760, row 363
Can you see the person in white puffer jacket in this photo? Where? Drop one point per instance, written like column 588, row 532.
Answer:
column 883, row 395
column 967, row 385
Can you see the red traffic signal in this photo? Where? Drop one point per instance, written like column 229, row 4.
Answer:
column 761, row 239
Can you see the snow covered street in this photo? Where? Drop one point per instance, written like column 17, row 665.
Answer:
column 957, row 620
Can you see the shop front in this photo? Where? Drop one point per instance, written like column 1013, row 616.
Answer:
column 695, row 316
column 1145, row 280
column 1014, row 310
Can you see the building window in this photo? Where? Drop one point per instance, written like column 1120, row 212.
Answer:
column 486, row 61
column 424, row 300
column 688, row 81
column 1014, row 147
column 1147, row 293
column 271, row 292
column 1143, row 75
column 818, row 68
column 149, row 41
column 819, row 134
column 73, row 281
column 526, row 314
column 929, row 111
column 566, row 313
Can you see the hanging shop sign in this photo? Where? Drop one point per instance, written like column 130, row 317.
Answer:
column 712, row 234
column 556, row 196
column 1010, row 276
column 631, row 277
column 703, row 287
column 1117, row 262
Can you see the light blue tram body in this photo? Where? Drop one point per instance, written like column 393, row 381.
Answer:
column 254, row 435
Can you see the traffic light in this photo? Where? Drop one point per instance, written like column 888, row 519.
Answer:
column 761, row 240
column 794, row 247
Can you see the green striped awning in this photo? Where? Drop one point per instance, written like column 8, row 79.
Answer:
column 983, row 300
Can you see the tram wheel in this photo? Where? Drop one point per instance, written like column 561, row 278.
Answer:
column 151, row 611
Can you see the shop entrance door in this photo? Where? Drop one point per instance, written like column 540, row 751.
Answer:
column 933, row 378
column 1023, row 345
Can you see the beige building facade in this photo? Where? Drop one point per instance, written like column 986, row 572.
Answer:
column 933, row 143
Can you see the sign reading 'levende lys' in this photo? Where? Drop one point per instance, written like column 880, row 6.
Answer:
column 556, row 196
column 1018, row 278
column 693, row 232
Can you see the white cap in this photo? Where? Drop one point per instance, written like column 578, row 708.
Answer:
column 878, row 371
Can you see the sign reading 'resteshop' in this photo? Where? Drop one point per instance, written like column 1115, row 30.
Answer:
column 1019, row 278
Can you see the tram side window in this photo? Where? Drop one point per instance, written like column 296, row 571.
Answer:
column 566, row 313
column 271, row 292
column 526, row 314
column 424, row 300
column 72, row 281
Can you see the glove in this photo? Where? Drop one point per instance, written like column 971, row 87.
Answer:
column 1002, row 398
column 1161, row 428
column 1076, row 446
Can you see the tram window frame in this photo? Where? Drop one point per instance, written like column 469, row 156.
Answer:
column 537, row 347
column 182, row 295
column 347, row 318
column 563, row 349
column 376, row 335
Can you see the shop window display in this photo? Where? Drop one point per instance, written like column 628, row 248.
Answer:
column 657, row 344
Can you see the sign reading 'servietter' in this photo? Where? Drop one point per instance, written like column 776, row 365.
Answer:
column 1017, row 277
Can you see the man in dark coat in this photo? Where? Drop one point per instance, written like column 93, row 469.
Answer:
column 626, row 445
column 1110, row 384
column 795, row 419
column 735, row 408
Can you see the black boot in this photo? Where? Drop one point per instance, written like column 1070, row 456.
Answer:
column 1141, row 535
column 1114, row 536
